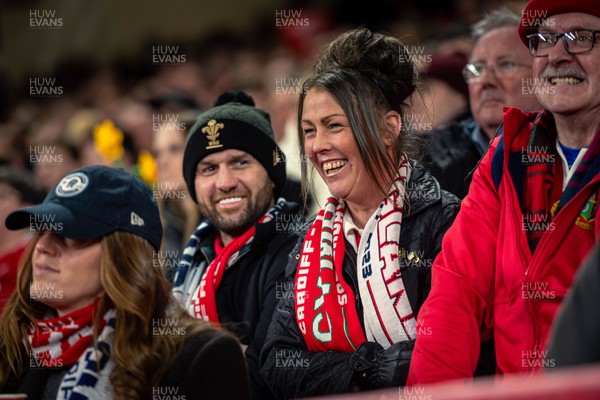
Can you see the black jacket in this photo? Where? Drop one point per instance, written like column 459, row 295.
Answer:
column 576, row 329
column 451, row 156
column 430, row 214
column 210, row 366
column 250, row 288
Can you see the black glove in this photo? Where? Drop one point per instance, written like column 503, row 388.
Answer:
column 378, row 368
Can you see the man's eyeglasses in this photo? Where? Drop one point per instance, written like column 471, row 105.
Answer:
column 473, row 73
column 575, row 42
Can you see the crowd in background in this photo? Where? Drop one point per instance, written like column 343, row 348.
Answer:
column 134, row 91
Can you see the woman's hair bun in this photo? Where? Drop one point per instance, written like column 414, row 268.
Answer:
column 383, row 59
column 234, row 96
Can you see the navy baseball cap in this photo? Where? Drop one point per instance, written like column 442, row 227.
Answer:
column 94, row 201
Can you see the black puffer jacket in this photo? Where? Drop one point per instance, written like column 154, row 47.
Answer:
column 430, row 214
column 451, row 155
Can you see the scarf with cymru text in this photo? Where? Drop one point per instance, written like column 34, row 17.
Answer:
column 324, row 303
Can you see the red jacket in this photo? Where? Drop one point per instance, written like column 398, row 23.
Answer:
column 9, row 267
column 486, row 282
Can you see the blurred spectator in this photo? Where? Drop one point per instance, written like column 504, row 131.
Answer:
column 498, row 75
column 499, row 71
column 178, row 211
column 17, row 190
column 445, row 95
column 283, row 81
column 52, row 160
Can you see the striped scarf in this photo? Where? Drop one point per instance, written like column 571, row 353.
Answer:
column 543, row 178
column 542, row 191
column 66, row 341
column 196, row 285
column 324, row 303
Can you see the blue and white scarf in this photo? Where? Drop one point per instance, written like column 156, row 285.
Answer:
column 189, row 275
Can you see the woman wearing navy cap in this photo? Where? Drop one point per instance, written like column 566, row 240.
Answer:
column 92, row 318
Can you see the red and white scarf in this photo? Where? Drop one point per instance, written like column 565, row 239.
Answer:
column 324, row 303
column 204, row 300
column 66, row 342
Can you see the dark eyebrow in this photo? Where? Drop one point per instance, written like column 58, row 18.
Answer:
column 331, row 116
column 325, row 118
column 234, row 157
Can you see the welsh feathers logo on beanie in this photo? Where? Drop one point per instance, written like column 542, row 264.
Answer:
column 234, row 123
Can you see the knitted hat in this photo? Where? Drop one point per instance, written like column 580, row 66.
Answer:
column 234, row 123
column 537, row 10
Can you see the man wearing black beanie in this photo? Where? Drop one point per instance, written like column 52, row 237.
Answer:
column 232, row 270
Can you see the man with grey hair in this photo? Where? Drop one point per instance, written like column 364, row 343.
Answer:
column 498, row 75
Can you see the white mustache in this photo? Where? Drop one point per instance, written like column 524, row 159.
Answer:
column 491, row 95
column 552, row 72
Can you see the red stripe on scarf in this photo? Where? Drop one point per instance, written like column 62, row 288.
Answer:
column 206, row 305
column 387, row 335
column 327, row 320
column 543, row 180
column 55, row 333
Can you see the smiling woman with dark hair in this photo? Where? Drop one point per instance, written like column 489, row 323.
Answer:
column 362, row 270
column 92, row 318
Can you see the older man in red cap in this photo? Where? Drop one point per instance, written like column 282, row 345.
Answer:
column 531, row 215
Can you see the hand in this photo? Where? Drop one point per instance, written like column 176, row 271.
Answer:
column 376, row 367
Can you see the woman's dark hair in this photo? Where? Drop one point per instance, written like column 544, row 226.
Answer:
column 368, row 74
